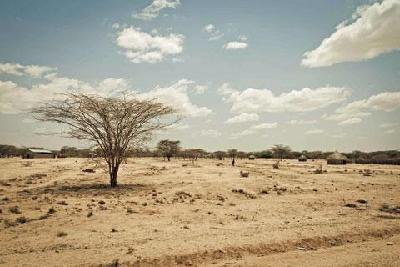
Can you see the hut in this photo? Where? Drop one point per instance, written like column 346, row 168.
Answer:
column 252, row 157
column 337, row 158
column 302, row 158
column 33, row 153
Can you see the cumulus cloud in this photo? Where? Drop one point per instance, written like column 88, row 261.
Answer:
column 255, row 129
column 264, row 100
column 265, row 125
column 243, row 117
column 302, row 122
column 315, row 131
column 34, row 71
column 373, row 30
column 351, row 121
column 235, row 45
column 389, row 124
column 177, row 96
column 354, row 111
column 141, row 47
column 15, row 98
column 153, row 10
column 211, row 132
column 214, row 33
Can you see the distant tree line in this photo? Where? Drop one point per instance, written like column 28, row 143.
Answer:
column 169, row 149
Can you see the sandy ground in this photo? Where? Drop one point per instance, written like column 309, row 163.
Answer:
column 201, row 214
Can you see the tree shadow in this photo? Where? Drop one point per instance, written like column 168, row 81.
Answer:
column 89, row 189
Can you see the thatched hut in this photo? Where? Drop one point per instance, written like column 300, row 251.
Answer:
column 302, row 158
column 337, row 158
column 252, row 157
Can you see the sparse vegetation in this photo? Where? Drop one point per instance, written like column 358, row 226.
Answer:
column 61, row 234
column 15, row 210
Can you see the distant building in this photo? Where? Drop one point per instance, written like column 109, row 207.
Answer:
column 252, row 157
column 33, row 153
column 337, row 158
column 302, row 158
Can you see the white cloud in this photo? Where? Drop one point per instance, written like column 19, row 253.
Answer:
column 302, row 122
column 177, row 96
column 265, row 125
column 390, row 131
column 389, row 124
column 34, row 71
column 243, row 117
column 263, row 100
column 372, row 31
column 214, row 33
column 151, row 48
column 153, row 10
column 211, row 132
column 245, row 132
column 315, row 131
column 178, row 126
column 177, row 60
column 350, row 121
column 15, row 98
column 200, row 89
column 255, row 129
column 235, row 45
column 354, row 111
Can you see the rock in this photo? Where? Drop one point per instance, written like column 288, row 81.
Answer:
column 90, row 214
column 350, row 205
column 362, row 201
column 264, row 191
column 89, row 170
column 244, row 174
column 390, row 243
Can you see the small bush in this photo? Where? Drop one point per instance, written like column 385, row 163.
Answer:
column 15, row 210
column 61, row 234
column 8, row 223
column 51, row 211
column 21, row 220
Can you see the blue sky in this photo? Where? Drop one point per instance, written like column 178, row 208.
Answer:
column 148, row 45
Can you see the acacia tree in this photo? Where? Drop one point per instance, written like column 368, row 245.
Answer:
column 168, row 148
column 232, row 153
column 114, row 124
column 281, row 151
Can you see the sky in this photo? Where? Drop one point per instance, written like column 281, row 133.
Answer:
column 314, row 75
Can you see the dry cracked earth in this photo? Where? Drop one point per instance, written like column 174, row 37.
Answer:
column 198, row 214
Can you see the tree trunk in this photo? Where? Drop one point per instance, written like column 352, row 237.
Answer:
column 113, row 176
column 169, row 158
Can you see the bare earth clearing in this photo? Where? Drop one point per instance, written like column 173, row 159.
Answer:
column 164, row 213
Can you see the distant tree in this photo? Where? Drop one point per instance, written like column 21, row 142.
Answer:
column 114, row 124
column 314, row 155
column 241, row 154
column 8, row 150
column 232, row 153
column 219, row 155
column 68, row 151
column 265, row 154
column 193, row 153
column 281, row 151
column 168, row 148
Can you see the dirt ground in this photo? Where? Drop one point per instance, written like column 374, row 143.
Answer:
column 201, row 214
